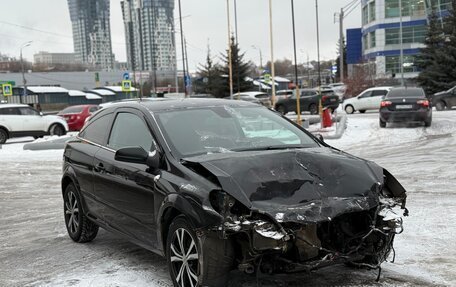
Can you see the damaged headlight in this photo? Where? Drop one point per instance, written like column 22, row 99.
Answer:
column 226, row 205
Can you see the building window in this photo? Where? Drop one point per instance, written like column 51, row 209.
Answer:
column 365, row 15
column 372, row 11
column 414, row 34
column 409, row 8
column 444, row 5
column 393, row 64
column 373, row 41
column 365, row 42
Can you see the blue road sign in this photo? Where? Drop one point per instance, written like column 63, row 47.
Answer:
column 126, row 76
column 188, row 81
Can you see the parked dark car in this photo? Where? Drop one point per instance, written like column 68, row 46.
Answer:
column 405, row 105
column 444, row 100
column 309, row 102
column 216, row 185
column 253, row 97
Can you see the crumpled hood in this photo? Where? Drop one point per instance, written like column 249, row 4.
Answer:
column 299, row 184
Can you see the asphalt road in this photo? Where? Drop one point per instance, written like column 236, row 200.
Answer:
column 35, row 250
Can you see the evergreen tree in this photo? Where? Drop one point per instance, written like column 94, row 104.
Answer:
column 210, row 77
column 438, row 59
column 241, row 70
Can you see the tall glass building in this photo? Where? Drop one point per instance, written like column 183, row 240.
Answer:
column 381, row 39
column 149, row 32
column 92, row 32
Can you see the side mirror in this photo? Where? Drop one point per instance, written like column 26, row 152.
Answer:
column 138, row 155
column 320, row 137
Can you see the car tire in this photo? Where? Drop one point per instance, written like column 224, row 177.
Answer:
column 428, row 122
column 349, row 109
column 362, row 111
column 211, row 258
column 57, row 130
column 440, row 106
column 282, row 109
column 79, row 227
column 313, row 109
column 382, row 123
column 3, row 136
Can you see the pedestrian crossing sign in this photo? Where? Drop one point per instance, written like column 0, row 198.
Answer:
column 126, row 86
column 7, row 90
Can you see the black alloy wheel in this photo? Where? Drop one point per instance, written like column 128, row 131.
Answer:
column 183, row 254
column 440, row 106
column 79, row 227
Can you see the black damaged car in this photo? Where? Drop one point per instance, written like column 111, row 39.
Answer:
column 217, row 185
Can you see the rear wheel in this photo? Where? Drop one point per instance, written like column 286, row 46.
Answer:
column 428, row 122
column 440, row 106
column 382, row 123
column 313, row 109
column 196, row 261
column 79, row 227
column 57, row 130
column 3, row 136
column 349, row 109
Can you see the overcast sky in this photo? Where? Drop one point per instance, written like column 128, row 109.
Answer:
column 206, row 22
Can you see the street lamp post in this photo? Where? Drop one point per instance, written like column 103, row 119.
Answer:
column 271, row 32
column 24, row 81
column 261, row 66
column 318, row 59
column 401, row 42
column 182, row 46
column 230, row 56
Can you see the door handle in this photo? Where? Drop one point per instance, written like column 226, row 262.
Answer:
column 100, row 167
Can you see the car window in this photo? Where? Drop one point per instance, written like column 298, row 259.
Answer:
column 365, row 95
column 29, row 112
column 96, row 131
column 262, row 96
column 72, row 110
column 404, row 93
column 379, row 93
column 129, row 130
column 9, row 111
column 93, row 109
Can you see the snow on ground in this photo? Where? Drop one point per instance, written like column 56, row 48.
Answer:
column 36, row 251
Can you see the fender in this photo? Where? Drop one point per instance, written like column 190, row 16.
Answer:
column 70, row 175
column 193, row 211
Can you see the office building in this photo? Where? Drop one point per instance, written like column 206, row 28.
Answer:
column 92, row 32
column 149, row 32
column 47, row 58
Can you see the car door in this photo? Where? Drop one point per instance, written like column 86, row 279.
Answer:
column 363, row 101
column 32, row 120
column 376, row 99
column 10, row 117
column 127, row 189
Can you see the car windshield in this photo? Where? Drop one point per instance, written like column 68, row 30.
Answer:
column 229, row 129
column 72, row 110
column 405, row 93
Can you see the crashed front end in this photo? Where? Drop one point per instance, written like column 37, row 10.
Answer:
column 319, row 233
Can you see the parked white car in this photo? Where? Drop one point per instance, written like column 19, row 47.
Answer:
column 370, row 99
column 22, row 120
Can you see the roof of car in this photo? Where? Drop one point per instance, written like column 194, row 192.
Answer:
column 178, row 104
column 379, row 88
column 12, row 105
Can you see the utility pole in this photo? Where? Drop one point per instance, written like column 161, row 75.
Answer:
column 320, row 108
column 186, row 60
column 341, row 44
column 298, row 95
column 237, row 45
column 24, row 81
column 230, row 60
column 271, row 32
column 182, row 44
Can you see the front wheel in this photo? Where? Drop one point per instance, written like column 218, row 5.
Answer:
column 79, row 227
column 196, row 261
column 57, row 130
column 313, row 109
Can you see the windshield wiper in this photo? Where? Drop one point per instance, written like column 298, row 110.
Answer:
column 274, row 147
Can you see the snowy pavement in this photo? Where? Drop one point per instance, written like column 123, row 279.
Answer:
column 36, row 251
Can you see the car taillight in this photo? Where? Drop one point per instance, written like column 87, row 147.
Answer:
column 386, row 104
column 424, row 103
